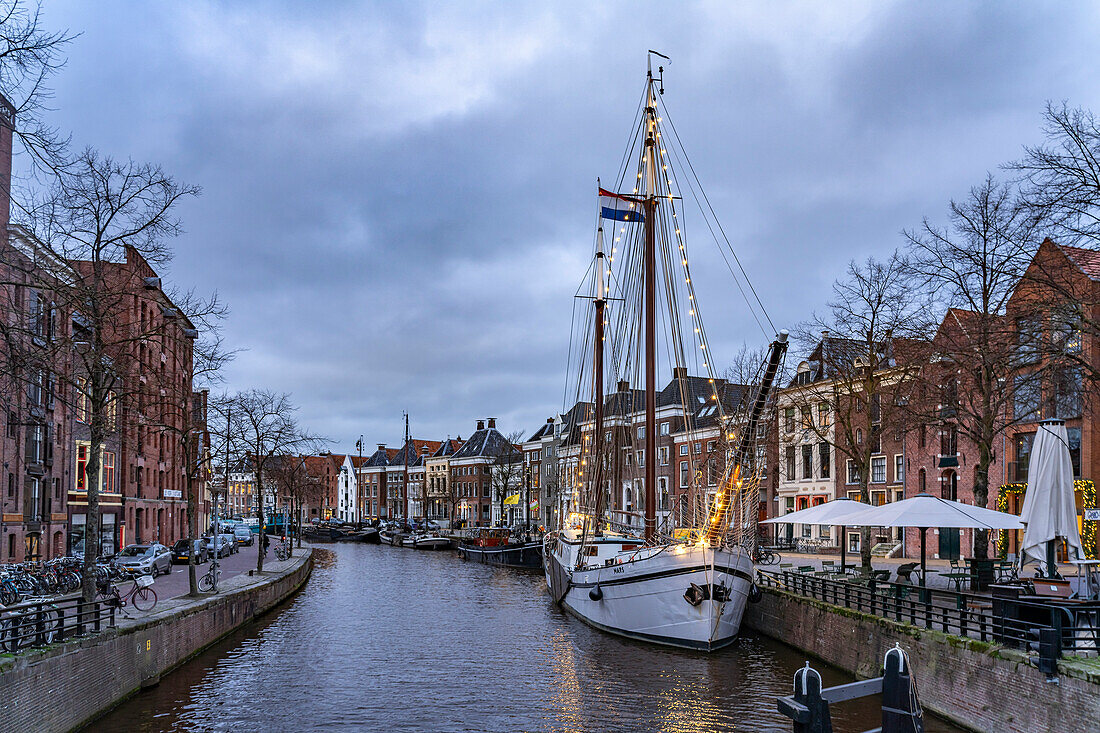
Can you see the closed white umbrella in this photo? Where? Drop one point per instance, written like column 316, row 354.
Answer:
column 837, row 512
column 924, row 511
column 1049, row 508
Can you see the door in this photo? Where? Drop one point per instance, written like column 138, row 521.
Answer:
column 949, row 543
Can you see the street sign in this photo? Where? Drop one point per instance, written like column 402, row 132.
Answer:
column 173, row 494
column 1092, row 515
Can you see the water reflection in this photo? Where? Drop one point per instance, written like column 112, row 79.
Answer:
column 398, row 640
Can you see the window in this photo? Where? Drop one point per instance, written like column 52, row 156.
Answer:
column 949, row 440
column 1023, row 454
column 823, row 459
column 662, row 493
column 853, row 472
column 11, row 484
column 81, row 468
column 641, row 432
column 899, row 469
column 698, row 448
column 684, row 449
column 664, row 428
column 922, row 482
column 685, row 473
column 922, row 439
column 641, row 459
column 876, row 439
column 1028, row 336
column 762, row 459
column 662, row 454
column 790, row 463
column 859, row 436
column 876, row 408
column 710, row 445
column 1074, row 435
column 1067, row 393
column 108, row 471
column 807, row 418
column 788, row 419
column 823, row 416
column 1026, row 397
column 110, row 411
column 878, row 470
column 807, row 461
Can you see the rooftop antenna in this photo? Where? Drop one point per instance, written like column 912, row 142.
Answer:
column 660, row 69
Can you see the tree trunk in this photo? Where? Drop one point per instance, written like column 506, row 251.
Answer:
column 263, row 532
column 865, row 532
column 192, row 527
column 981, row 498
column 91, row 520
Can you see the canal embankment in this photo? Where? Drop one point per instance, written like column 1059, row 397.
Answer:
column 979, row 685
column 67, row 685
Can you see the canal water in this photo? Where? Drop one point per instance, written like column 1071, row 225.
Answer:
column 390, row 639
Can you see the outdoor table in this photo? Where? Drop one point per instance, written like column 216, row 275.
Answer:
column 1091, row 578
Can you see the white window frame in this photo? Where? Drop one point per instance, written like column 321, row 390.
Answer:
column 878, row 463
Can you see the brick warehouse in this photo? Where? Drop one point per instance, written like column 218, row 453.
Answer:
column 45, row 442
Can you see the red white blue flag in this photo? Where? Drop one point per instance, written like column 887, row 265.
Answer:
column 619, row 208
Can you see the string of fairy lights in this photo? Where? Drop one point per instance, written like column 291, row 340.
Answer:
column 622, row 282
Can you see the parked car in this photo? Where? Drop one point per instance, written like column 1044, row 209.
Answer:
column 181, row 551
column 225, row 546
column 244, row 535
column 153, row 559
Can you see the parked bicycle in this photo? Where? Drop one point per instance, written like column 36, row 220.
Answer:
column 140, row 594
column 282, row 550
column 764, row 556
column 208, row 583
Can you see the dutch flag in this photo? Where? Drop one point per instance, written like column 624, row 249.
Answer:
column 619, row 208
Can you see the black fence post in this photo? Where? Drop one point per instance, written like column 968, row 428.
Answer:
column 80, row 617
column 900, row 713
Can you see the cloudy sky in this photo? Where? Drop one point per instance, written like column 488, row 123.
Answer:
column 397, row 196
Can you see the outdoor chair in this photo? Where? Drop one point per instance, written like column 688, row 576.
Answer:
column 956, row 575
column 806, row 568
column 905, row 572
column 1006, row 570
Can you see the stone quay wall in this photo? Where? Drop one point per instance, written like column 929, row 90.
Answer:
column 980, row 686
column 68, row 685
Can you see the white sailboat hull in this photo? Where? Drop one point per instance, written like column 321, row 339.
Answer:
column 644, row 598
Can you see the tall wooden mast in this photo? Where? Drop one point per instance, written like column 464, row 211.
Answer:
column 650, row 308
column 597, row 388
column 405, row 481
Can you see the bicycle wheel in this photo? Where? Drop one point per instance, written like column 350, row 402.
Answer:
column 206, row 583
column 144, row 599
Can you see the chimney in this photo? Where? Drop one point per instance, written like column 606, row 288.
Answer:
column 549, row 421
column 480, row 424
column 624, row 386
column 679, row 372
column 492, row 423
column 824, row 335
column 7, row 125
column 381, row 446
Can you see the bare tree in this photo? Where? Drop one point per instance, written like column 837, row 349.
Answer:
column 1060, row 182
column 974, row 266
column 294, row 483
column 30, row 56
column 506, row 471
column 860, row 368
column 105, row 224
column 262, row 427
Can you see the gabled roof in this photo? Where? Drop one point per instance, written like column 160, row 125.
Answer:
column 1088, row 260
column 486, row 443
column 416, row 450
column 380, row 457
column 315, row 465
column 446, row 448
column 358, row 461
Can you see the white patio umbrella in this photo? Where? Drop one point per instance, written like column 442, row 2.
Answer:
column 924, row 510
column 832, row 512
column 1049, row 509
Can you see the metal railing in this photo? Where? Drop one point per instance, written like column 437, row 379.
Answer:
column 39, row 622
column 1008, row 621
